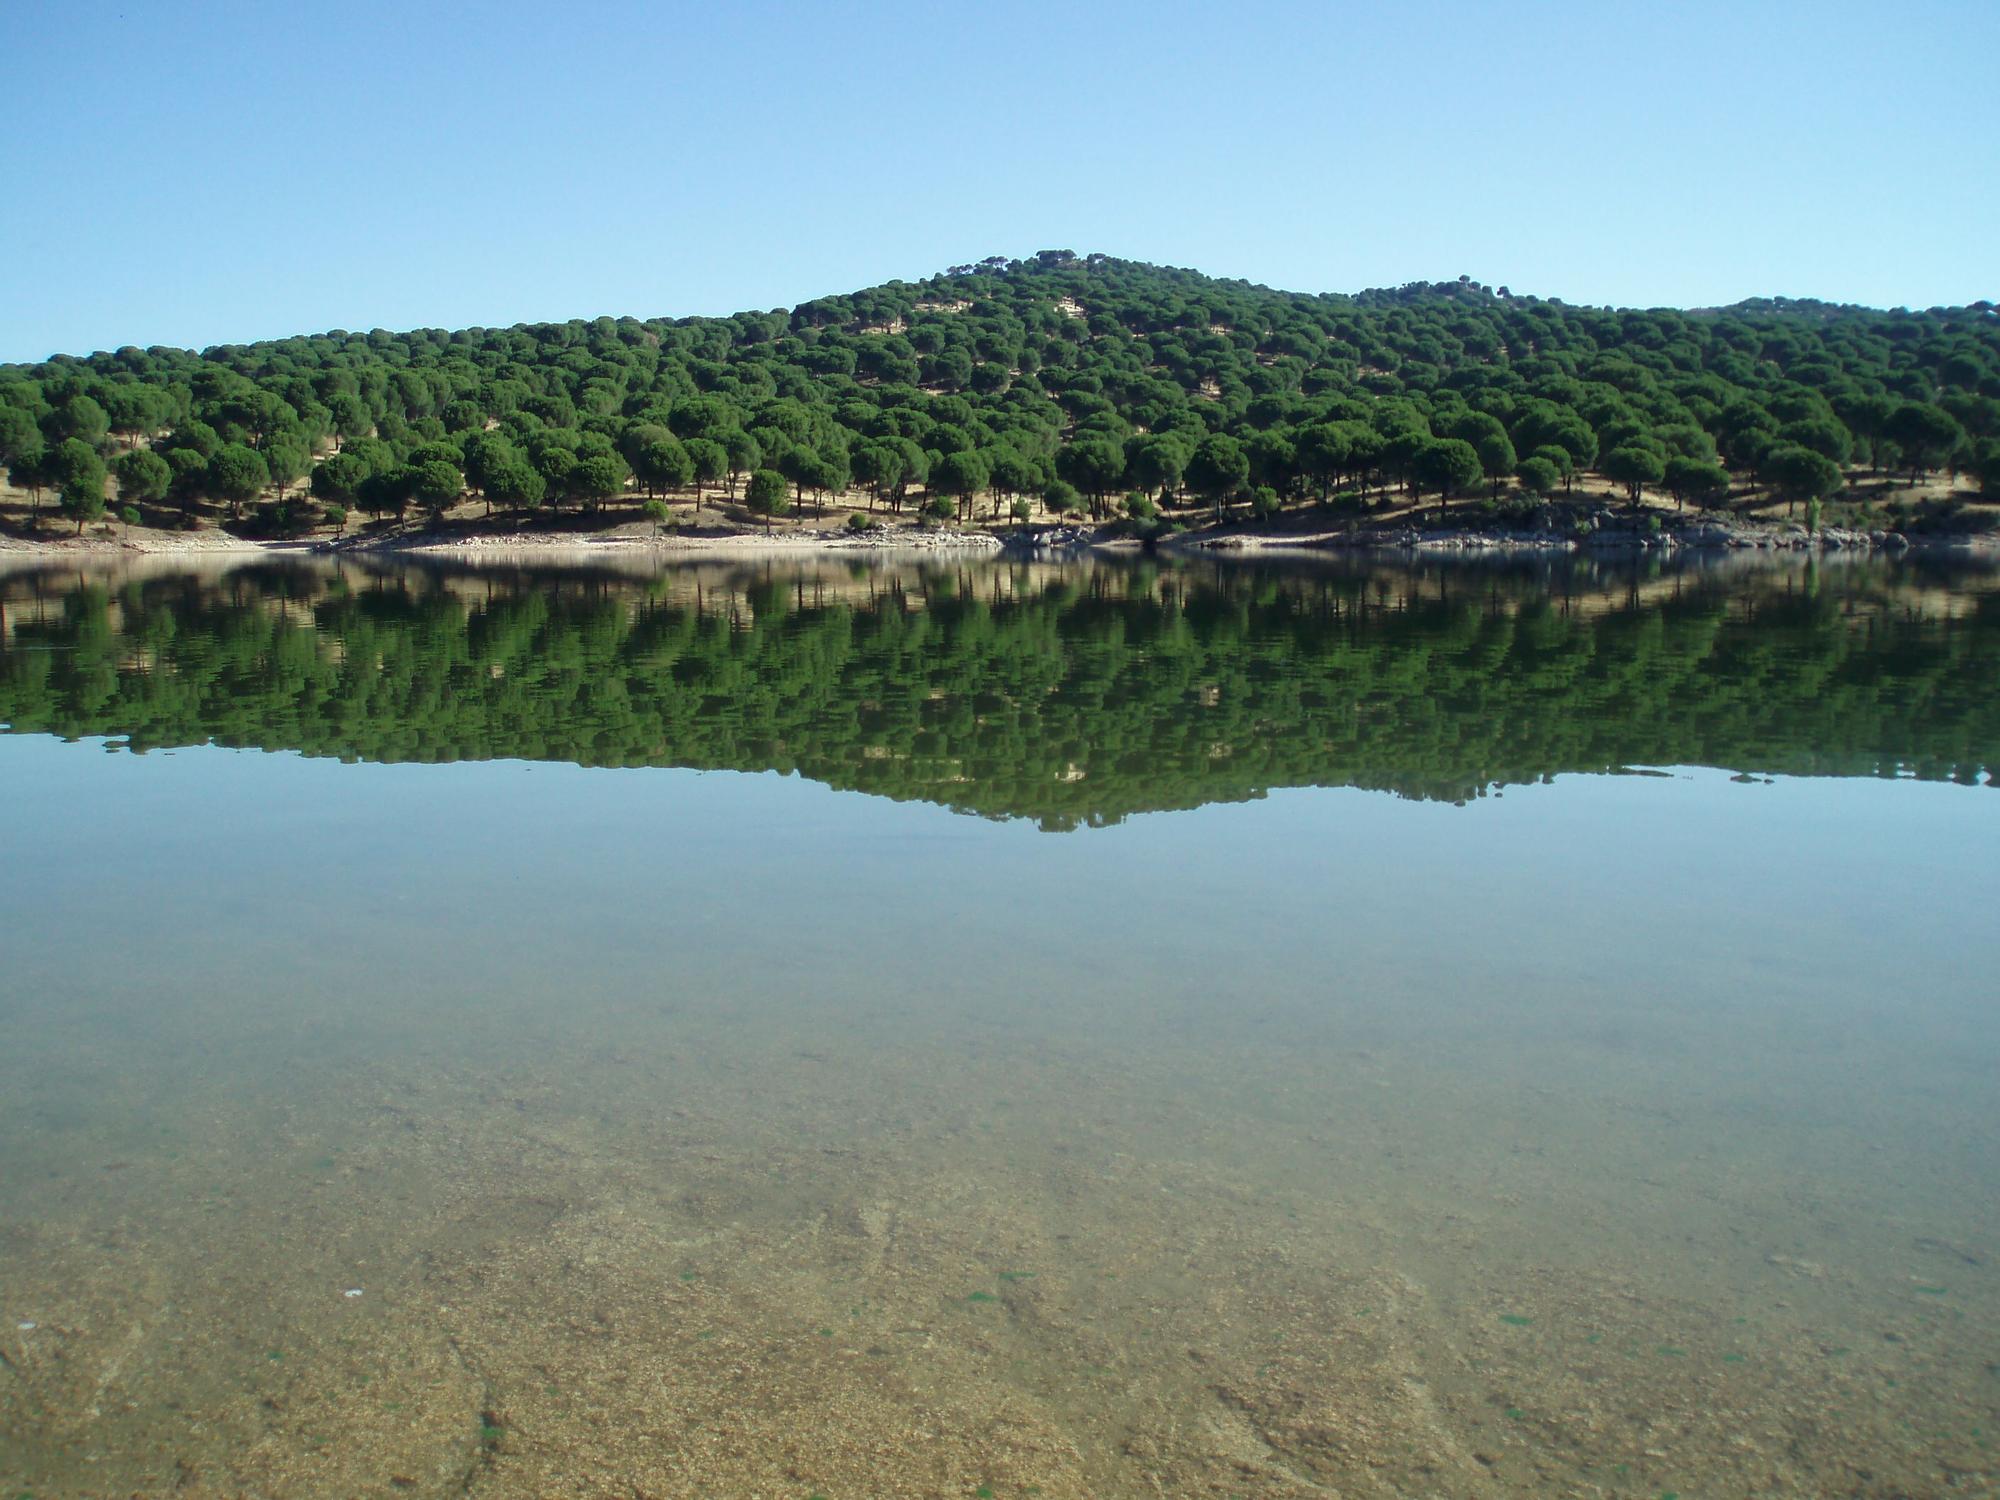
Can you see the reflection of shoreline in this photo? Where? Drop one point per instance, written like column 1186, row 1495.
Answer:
column 1066, row 694
column 638, row 553
column 1950, row 579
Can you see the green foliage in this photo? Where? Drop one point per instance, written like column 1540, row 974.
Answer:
column 1445, row 466
column 143, row 476
column 17, row 432
column 1092, row 466
column 662, row 462
column 962, row 476
column 1797, row 473
column 767, row 494
column 515, row 484
column 1156, row 462
column 80, row 418
column 1635, row 465
column 1538, row 475
column 1693, row 479
column 74, row 463
column 436, row 485
column 29, row 467
column 1985, row 469
column 598, row 477
column 708, row 461
column 285, row 462
column 554, row 465
column 338, row 478
column 78, row 474
column 1497, row 458
column 386, row 492
column 1923, row 434
column 1218, row 468
column 1097, row 374
column 1824, row 435
column 190, row 475
column 236, row 474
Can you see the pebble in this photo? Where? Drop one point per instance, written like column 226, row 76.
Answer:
column 25, row 1327
column 353, row 1291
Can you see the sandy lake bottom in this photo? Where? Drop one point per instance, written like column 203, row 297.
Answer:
column 519, row 1129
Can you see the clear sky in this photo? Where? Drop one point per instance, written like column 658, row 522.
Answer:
column 205, row 173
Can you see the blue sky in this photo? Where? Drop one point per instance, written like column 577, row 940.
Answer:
column 198, row 174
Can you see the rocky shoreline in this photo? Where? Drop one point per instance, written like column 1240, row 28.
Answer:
column 670, row 546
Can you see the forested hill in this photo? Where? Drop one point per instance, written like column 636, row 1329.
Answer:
column 1053, row 381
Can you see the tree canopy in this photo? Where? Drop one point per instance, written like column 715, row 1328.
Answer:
column 1099, row 374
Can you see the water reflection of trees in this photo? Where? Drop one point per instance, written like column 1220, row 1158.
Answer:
column 1071, row 696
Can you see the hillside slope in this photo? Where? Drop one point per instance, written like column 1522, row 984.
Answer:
column 1043, row 386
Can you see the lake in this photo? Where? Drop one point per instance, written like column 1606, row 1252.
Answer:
column 798, row 1029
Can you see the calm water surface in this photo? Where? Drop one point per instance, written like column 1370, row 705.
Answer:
column 1000, row 1030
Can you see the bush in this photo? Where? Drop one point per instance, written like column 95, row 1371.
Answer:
column 860, row 522
column 940, row 509
column 284, row 518
column 129, row 515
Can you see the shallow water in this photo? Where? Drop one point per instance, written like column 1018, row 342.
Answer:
column 1200, row 1120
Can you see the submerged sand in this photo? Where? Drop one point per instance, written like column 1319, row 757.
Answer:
column 519, row 1130
column 808, row 1266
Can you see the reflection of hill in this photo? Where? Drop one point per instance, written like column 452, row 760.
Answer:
column 1067, row 696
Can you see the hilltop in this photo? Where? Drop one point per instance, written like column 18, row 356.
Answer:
column 1020, row 392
